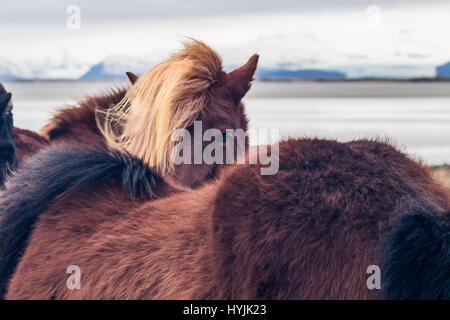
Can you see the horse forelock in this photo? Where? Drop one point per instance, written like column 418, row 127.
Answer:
column 170, row 96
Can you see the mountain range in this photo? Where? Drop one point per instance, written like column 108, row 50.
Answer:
column 443, row 71
column 101, row 71
column 114, row 68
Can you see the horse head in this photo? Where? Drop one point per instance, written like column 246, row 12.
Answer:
column 183, row 108
column 223, row 126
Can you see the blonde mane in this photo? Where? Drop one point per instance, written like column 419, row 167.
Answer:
column 170, row 96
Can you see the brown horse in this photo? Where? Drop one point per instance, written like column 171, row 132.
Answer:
column 190, row 86
column 187, row 88
column 308, row 232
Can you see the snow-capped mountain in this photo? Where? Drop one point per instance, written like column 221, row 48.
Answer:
column 8, row 70
column 272, row 66
column 114, row 68
column 64, row 68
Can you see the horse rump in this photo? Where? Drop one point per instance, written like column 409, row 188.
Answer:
column 417, row 258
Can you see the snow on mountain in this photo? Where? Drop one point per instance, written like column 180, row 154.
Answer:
column 280, row 57
column 286, row 51
column 404, row 40
column 63, row 68
column 114, row 68
column 8, row 70
column 388, row 71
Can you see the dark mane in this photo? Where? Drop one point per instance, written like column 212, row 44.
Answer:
column 53, row 174
column 73, row 120
column 417, row 257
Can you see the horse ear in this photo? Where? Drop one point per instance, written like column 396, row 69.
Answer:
column 132, row 77
column 4, row 103
column 240, row 79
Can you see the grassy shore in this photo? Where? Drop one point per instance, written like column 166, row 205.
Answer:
column 442, row 173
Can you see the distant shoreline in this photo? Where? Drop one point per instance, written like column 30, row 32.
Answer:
column 278, row 88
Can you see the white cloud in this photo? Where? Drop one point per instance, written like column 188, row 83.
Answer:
column 322, row 36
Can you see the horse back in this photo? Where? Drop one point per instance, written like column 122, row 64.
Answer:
column 27, row 143
column 313, row 230
column 77, row 124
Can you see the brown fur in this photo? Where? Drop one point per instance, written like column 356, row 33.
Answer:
column 27, row 143
column 77, row 123
column 222, row 110
column 308, row 232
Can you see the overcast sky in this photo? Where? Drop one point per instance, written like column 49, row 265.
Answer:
column 291, row 33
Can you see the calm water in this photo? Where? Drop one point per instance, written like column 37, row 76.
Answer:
column 416, row 116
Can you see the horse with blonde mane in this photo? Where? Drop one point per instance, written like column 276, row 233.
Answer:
column 188, row 87
column 133, row 144
column 178, row 92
